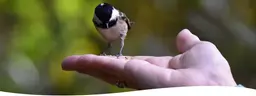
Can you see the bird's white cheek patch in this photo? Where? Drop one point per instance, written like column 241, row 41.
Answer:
column 114, row 15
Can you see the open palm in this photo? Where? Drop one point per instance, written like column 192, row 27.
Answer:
column 199, row 64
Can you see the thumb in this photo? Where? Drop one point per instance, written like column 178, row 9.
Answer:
column 185, row 40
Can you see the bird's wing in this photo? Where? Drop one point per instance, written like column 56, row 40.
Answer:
column 126, row 19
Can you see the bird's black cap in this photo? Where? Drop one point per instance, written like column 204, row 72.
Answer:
column 104, row 11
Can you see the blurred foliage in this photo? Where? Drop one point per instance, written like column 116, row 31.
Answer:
column 36, row 35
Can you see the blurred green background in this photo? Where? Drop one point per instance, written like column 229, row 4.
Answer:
column 36, row 35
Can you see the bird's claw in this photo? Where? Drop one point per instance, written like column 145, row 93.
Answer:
column 118, row 55
column 103, row 54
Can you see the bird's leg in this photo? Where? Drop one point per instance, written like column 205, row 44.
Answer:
column 107, row 49
column 122, row 37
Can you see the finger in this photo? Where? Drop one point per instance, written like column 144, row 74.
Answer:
column 109, row 65
column 147, row 75
column 86, row 63
column 69, row 63
column 131, row 57
column 102, row 67
column 161, row 61
column 185, row 40
column 175, row 62
column 107, row 68
column 100, row 75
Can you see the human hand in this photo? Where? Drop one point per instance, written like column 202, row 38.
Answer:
column 199, row 64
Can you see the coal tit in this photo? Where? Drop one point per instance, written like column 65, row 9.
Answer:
column 112, row 24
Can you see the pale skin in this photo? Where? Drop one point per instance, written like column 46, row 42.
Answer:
column 199, row 64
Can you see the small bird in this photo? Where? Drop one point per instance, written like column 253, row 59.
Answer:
column 112, row 24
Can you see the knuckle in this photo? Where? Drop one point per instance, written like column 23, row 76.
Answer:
column 150, row 60
column 129, row 65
